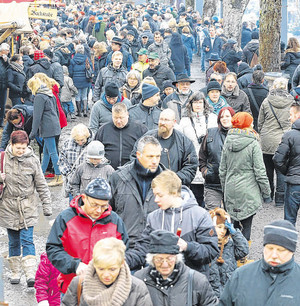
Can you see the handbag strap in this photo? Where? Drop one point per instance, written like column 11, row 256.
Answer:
column 253, row 99
column 272, row 109
column 194, row 127
column 190, row 288
column 79, row 288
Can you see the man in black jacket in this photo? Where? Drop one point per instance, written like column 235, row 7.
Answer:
column 120, row 135
column 287, row 160
column 4, row 50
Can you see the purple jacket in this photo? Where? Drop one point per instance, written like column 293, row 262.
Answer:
column 46, row 282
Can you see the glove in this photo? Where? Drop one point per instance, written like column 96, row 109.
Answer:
column 267, row 200
column 43, row 303
column 230, row 227
column 31, row 136
column 47, row 210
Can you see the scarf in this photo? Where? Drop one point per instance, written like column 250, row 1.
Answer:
column 218, row 105
column 45, row 90
column 170, row 280
column 21, row 123
column 95, row 293
column 17, row 67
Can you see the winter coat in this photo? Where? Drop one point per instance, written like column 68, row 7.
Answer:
column 268, row 126
column 146, row 115
column 27, row 113
column 210, row 157
column 259, row 283
column 119, row 143
column 237, row 99
column 63, row 54
column 246, row 36
column 140, row 67
column 249, row 50
column 235, row 249
column 16, row 82
column 101, row 112
column 109, row 74
column 244, row 75
column 98, row 31
column 45, row 115
column 291, row 61
column 197, row 132
column 231, row 57
column 73, row 235
column 179, row 55
column 27, row 62
column 180, row 157
column 138, row 296
column 176, row 295
column 296, row 77
column 77, row 70
column 24, row 176
column 46, row 282
column 160, row 74
column 197, row 230
column 215, row 48
column 243, row 174
column 287, row 158
column 163, row 51
column 58, row 75
column 132, row 94
column 134, row 47
column 86, row 172
column 127, row 199
column 68, row 91
column 189, row 43
column 260, row 92
column 173, row 102
column 3, row 73
column 127, row 59
column 99, row 63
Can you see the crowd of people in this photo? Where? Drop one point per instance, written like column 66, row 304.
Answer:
column 164, row 181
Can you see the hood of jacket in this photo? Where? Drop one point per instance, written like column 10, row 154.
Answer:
column 244, row 68
column 79, row 58
column 296, row 125
column 45, row 90
column 253, row 45
column 176, row 39
column 44, row 63
column 238, row 139
column 280, row 98
column 28, row 153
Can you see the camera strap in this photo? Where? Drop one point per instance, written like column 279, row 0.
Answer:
column 194, row 127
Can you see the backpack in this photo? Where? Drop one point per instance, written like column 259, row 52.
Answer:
column 254, row 60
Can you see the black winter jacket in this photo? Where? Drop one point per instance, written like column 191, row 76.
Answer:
column 231, row 58
column 119, row 143
column 179, row 55
column 16, row 82
column 99, row 63
column 287, row 156
column 27, row 62
column 3, row 73
column 291, row 61
column 244, row 76
column 249, row 50
column 176, row 295
column 296, row 77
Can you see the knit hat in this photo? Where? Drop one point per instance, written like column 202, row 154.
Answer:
column 242, row 66
column 95, row 149
column 130, row 32
column 48, row 53
column 213, row 85
column 241, row 120
column 163, row 242
column 282, row 233
column 149, row 91
column 38, row 54
column 167, row 83
column 98, row 189
column 255, row 35
column 219, row 216
column 112, row 19
column 111, row 89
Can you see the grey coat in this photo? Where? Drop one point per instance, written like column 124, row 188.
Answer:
column 86, row 172
column 176, row 295
column 164, row 52
column 24, row 176
column 68, row 90
column 268, row 126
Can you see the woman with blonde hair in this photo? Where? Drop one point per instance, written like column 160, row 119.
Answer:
column 273, row 122
column 100, row 51
column 45, row 124
column 107, row 281
column 291, row 58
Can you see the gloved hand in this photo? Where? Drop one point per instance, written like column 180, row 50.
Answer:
column 43, row 303
column 267, row 200
column 230, row 227
column 31, row 136
column 47, row 210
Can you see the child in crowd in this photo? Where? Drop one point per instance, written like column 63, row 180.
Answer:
column 67, row 92
column 96, row 166
column 233, row 246
column 47, row 291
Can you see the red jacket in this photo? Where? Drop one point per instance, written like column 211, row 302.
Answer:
column 46, row 282
column 73, row 236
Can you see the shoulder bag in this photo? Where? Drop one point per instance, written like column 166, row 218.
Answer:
column 88, row 70
column 272, row 109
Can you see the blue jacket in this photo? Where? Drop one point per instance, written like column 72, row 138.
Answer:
column 246, row 37
column 77, row 71
column 215, row 48
column 189, row 42
column 179, row 55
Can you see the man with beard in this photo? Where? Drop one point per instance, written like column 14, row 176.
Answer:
column 132, row 196
column 177, row 101
column 158, row 72
column 178, row 152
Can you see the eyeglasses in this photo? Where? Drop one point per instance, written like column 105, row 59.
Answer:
column 96, row 206
column 169, row 260
column 165, row 120
column 197, row 102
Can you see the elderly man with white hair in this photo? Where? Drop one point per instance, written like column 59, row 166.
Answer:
column 4, row 51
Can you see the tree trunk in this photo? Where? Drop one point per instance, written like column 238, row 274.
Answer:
column 210, row 8
column 233, row 11
column 190, row 3
column 269, row 34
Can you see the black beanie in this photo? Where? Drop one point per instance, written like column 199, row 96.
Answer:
column 282, row 233
column 163, row 242
column 111, row 89
column 213, row 85
column 255, row 35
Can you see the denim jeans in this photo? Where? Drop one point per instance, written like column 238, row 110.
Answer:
column 82, row 94
column 291, row 202
column 202, row 59
column 24, row 238
column 68, row 107
column 49, row 151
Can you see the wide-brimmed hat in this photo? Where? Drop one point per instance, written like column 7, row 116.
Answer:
column 214, row 57
column 183, row 78
column 117, row 40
